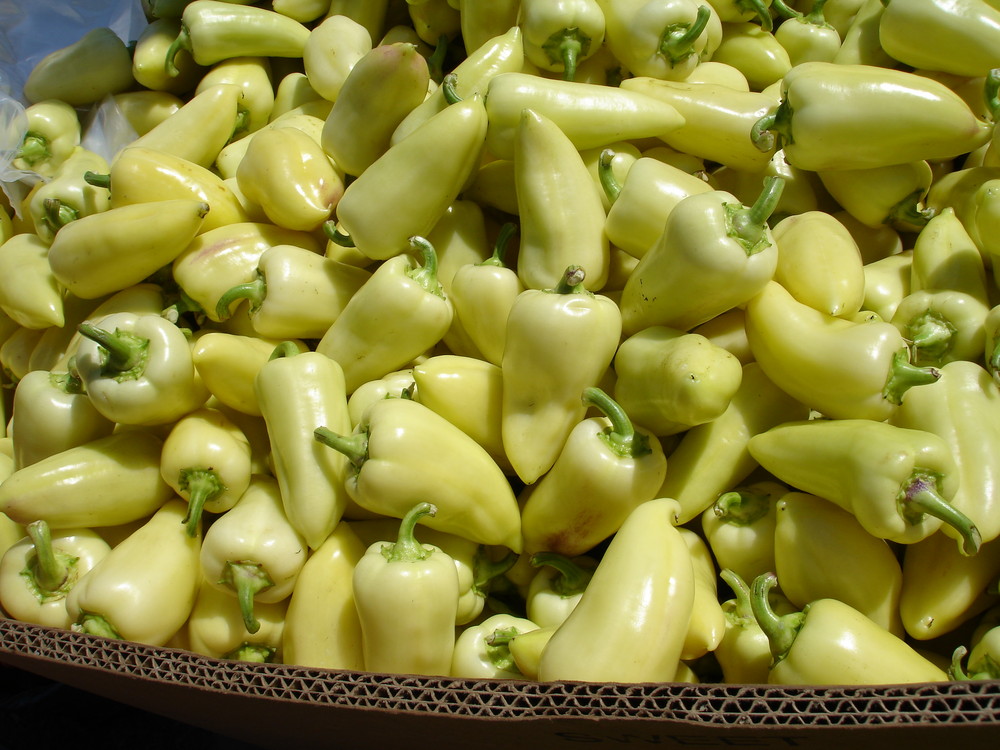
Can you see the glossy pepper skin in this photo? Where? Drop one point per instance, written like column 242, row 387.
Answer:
column 38, row 572
column 714, row 254
column 51, row 136
column 332, row 50
column 482, row 650
column 144, row 589
column 942, row 326
column 556, row 589
column 898, row 482
column 945, row 257
column 68, row 195
column 402, row 451
column 559, row 341
column 311, row 478
column 215, row 628
column 744, row 654
column 891, row 194
column 406, row 595
column 841, row 368
column 138, row 370
column 396, row 315
column 632, row 620
column 558, row 36
column 606, row 468
column 739, row 528
column 895, row 117
column 95, row 65
column 30, row 294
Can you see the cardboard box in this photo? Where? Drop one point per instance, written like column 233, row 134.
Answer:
column 282, row 706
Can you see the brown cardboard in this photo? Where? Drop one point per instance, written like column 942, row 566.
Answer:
column 277, row 706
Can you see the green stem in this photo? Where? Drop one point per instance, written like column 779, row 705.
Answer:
column 97, row 625
column 612, row 188
column 201, row 486
column 621, row 438
column 784, row 10
column 760, row 10
column 406, row 548
column 908, row 211
column 58, row 214
column 677, row 40
column 747, row 225
column 97, row 180
column 572, row 578
column 67, row 382
column 904, row 375
column 254, row 291
column 33, row 149
column 780, row 630
column 932, row 336
column 252, row 652
column 435, row 62
column 572, row 281
column 355, row 447
column 448, row 84
column 247, row 579
column 567, row 46
column 485, row 569
column 285, row 349
column 48, row 569
column 507, row 231
column 498, row 649
column 426, row 273
column 335, row 236
column 921, row 495
column 183, row 41
column 955, row 671
column 742, row 507
column 126, row 353
column 773, row 127
column 991, row 93
column 815, row 15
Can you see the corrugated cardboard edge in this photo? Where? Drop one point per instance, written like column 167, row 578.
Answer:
column 276, row 706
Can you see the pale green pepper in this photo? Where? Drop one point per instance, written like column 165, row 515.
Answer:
column 558, row 36
column 942, row 325
column 51, row 137
column 216, row 628
column 94, row 66
column 30, row 293
column 69, row 195
column 332, row 49
column 739, row 528
column 482, row 651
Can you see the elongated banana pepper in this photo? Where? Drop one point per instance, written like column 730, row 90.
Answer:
column 138, row 370
column 714, row 254
column 143, row 590
column 252, row 552
column 311, row 478
column 396, row 315
column 406, row 595
column 559, row 342
column 841, row 368
column 402, row 451
column 807, row 531
column 898, row 482
column 631, row 621
column 38, row 572
column 561, row 216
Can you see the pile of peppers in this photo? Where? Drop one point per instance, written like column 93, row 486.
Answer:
column 600, row 340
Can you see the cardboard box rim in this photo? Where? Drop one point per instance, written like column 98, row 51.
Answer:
column 275, row 705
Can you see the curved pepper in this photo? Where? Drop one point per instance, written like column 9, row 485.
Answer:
column 860, row 44
column 605, row 469
column 94, row 66
column 252, row 552
column 311, row 478
column 810, row 535
column 396, row 315
column 631, row 622
column 143, row 590
column 30, row 293
column 38, row 572
column 669, row 381
column 406, row 595
column 137, row 369
column 559, row 342
column 401, row 451
column 559, row 36
column 714, row 254
column 562, row 219
column 890, row 194
column 831, row 643
column 894, row 117
column 707, row 623
column 841, row 368
column 898, row 482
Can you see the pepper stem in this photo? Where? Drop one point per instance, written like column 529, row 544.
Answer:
column 772, row 127
column 47, row 569
column 58, row 214
column 485, row 569
column 435, row 61
column 742, row 507
column 903, row 375
column 200, row 486
column 932, row 336
column 741, row 591
column 335, row 236
column 355, row 447
column 126, row 352
column 508, row 230
column 426, row 273
column 956, row 672
column 406, row 548
column 248, row 579
column 498, row 648
column 254, row 291
column 252, row 652
column 448, row 84
column 920, row 495
column 677, row 40
column 621, row 437
column 747, row 225
column 572, row 578
column 760, row 10
column 908, row 211
column 567, row 46
column 33, row 149
column 612, row 188
column 67, row 382
column 92, row 624
column 572, row 281
column 97, row 180
column 991, row 93
column 183, row 41
column 781, row 630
